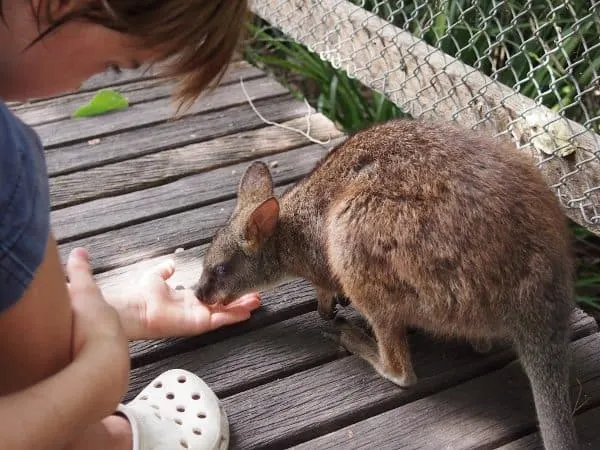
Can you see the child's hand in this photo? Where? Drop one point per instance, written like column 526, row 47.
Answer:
column 156, row 310
column 100, row 346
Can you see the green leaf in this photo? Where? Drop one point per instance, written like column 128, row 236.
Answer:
column 106, row 100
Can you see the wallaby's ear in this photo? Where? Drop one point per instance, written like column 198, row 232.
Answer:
column 256, row 184
column 261, row 223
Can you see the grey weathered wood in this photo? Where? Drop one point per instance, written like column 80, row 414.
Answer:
column 154, row 237
column 141, row 91
column 148, row 170
column 186, row 130
column 260, row 356
column 149, row 113
column 587, row 431
column 482, row 413
column 319, row 400
column 185, row 193
column 250, row 359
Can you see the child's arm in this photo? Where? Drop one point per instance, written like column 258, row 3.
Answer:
column 52, row 412
column 49, row 414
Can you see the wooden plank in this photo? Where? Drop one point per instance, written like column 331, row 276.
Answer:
column 587, row 431
column 149, row 113
column 61, row 108
column 155, row 168
column 248, row 360
column 425, row 82
column 242, row 362
column 482, row 413
column 297, row 401
column 187, row 130
column 154, row 237
column 189, row 192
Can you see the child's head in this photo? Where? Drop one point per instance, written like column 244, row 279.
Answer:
column 50, row 46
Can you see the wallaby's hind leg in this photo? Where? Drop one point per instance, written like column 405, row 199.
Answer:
column 326, row 303
column 389, row 355
column 546, row 363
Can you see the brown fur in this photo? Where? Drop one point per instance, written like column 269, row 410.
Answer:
column 419, row 225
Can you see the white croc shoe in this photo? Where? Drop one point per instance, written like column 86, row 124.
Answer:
column 177, row 410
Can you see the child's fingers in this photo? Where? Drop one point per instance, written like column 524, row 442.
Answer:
column 248, row 301
column 80, row 272
column 164, row 270
column 228, row 317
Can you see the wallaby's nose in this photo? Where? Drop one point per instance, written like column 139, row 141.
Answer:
column 202, row 290
column 199, row 291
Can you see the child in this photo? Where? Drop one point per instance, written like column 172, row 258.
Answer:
column 64, row 347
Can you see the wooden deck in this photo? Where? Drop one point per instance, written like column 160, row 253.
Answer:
column 134, row 187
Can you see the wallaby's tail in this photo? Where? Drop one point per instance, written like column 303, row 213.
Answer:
column 545, row 359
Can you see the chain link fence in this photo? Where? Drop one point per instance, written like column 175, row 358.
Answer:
column 523, row 68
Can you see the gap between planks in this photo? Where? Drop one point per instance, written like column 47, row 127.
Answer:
column 187, row 130
column 587, row 431
column 481, row 413
column 190, row 192
column 285, row 407
column 169, row 165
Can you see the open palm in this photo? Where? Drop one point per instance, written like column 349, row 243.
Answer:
column 156, row 310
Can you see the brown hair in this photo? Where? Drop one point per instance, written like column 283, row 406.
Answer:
column 196, row 39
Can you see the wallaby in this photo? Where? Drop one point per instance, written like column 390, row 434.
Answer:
column 422, row 225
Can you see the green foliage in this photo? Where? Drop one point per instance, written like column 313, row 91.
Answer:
column 544, row 48
column 105, row 101
column 332, row 92
column 587, row 255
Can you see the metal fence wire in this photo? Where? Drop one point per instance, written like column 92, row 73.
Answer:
column 526, row 68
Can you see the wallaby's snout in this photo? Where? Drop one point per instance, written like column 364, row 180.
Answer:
column 204, row 289
column 212, row 289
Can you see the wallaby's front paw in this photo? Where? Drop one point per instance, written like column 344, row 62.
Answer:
column 404, row 380
column 342, row 300
column 326, row 313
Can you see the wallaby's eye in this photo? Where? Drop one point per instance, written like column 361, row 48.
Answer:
column 220, row 270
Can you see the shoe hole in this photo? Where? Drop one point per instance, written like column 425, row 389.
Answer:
column 183, row 443
column 170, row 396
column 201, row 415
column 197, row 431
column 157, row 415
column 158, row 385
column 178, row 421
column 155, row 406
column 196, row 396
column 181, row 379
column 181, row 408
column 145, row 397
